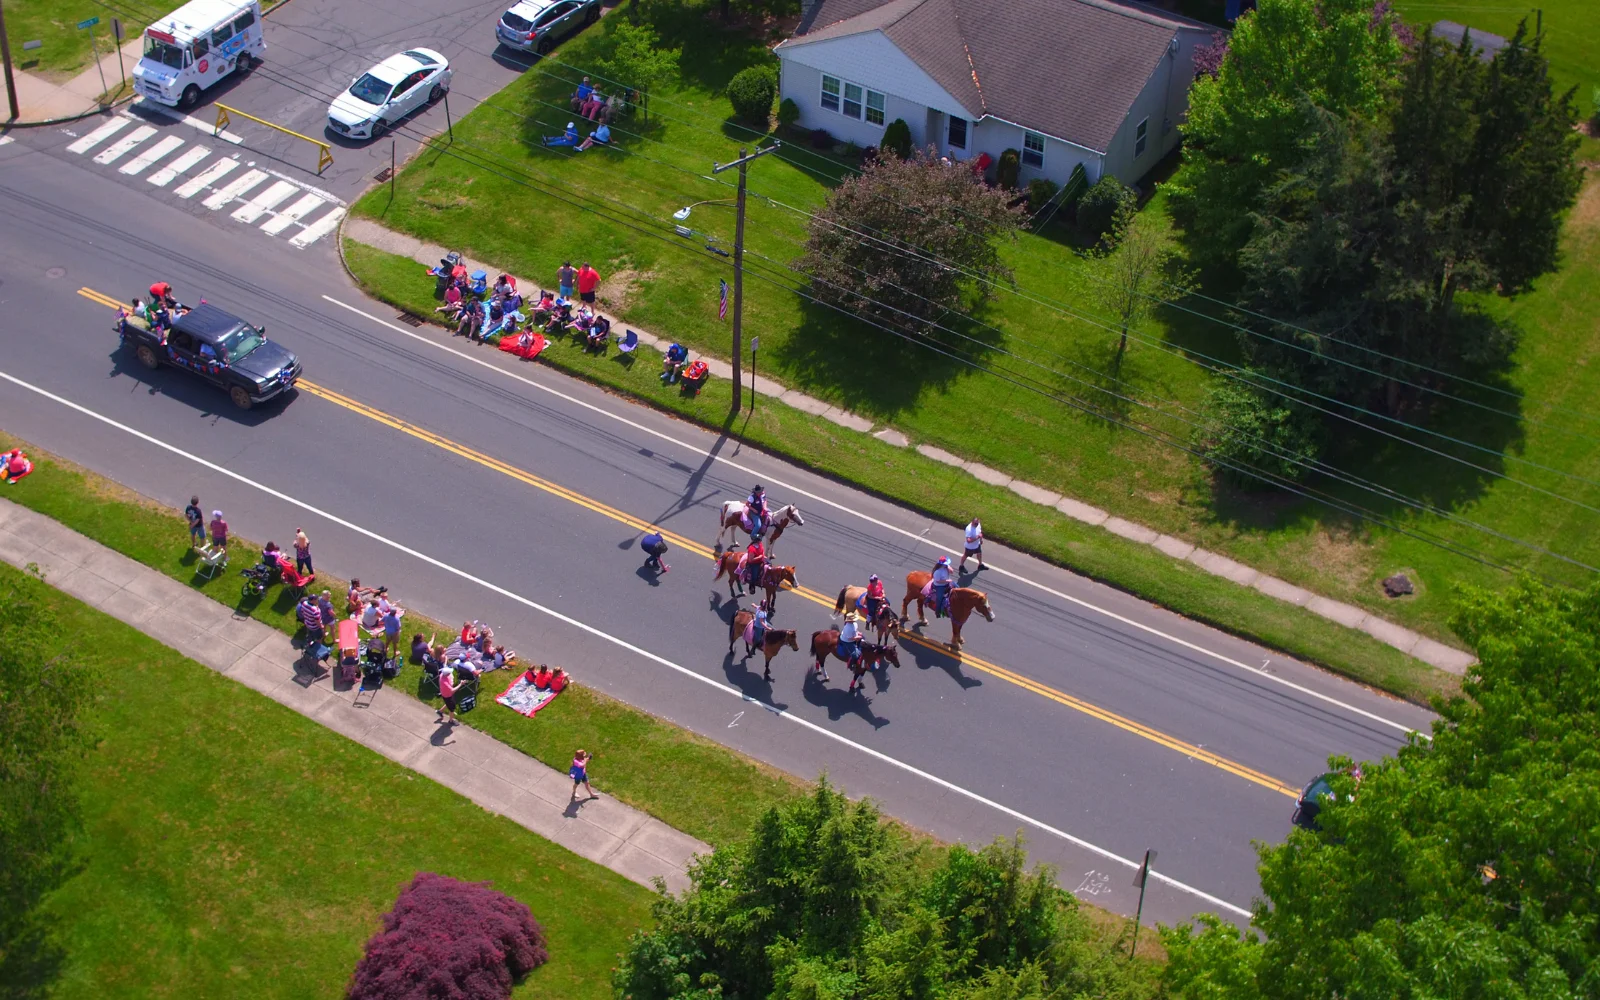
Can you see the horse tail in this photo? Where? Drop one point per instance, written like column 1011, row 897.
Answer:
column 721, row 566
column 838, row 606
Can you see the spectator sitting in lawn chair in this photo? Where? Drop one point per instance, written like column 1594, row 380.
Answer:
column 567, row 138
column 560, row 319
column 599, row 330
column 672, row 363
column 585, row 89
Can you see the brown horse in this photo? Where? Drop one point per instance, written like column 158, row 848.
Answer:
column 732, row 522
column 773, row 578
column 887, row 624
column 873, row 655
column 963, row 602
column 771, row 643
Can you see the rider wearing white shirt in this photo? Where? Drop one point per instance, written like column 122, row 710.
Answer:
column 850, row 637
column 974, row 545
column 942, row 579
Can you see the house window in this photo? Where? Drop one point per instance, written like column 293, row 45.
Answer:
column 1140, row 134
column 852, row 101
column 1033, row 149
column 830, row 93
column 956, row 134
column 874, row 107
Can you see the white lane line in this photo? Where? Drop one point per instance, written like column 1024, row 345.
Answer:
column 267, row 200
column 636, row 650
column 912, row 535
column 203, row 180
column 322, row 227
column 122, row 146
column 189, row 120
column 294, row 213
column 235, row 189
column 139, row 164
column 172, row 171
column 99, row 135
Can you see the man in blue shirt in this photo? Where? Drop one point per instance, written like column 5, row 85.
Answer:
column 677, row 356
column 581, row 94
column 568, row 138
column 655, row 547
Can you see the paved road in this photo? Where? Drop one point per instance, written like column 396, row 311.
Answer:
column 1082, row 716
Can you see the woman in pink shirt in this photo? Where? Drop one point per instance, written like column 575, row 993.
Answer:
column 447, row 690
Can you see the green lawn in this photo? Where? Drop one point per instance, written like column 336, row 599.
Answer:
column 54, row 22
column 688, row 782
column 926, row 485
column 234, row 848
column 613, row 207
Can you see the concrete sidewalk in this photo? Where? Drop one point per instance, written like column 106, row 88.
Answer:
column 495, row 776
column 42, row 100
column 1429, row 651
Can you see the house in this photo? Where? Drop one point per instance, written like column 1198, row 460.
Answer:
column 1063, row 82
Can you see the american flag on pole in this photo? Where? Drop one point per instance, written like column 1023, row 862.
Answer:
column 722, row 307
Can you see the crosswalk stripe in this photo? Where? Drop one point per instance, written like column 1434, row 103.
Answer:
column 322, row 227
column 212, row 173
column 236, row 189
column 139, row 164
column 264, row 202
column 167, row 174
column 294, row 213
column 117, row 149
column 99, row 135
column 5, row 139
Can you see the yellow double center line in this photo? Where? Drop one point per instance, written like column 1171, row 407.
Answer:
column 1190, row 750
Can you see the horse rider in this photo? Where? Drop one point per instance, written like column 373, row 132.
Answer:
column 850, row 640
column 755, row 561
column 942, row 580
column 874, row 599
column 755, row 509
column 758, row 629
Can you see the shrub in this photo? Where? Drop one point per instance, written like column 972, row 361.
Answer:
column 1105, row 209
column 849, row 150
column 752, row 92
column 788, row 112
column 1245, row 430
column 1007, row 169
column 897, row 137
column 820, row 139
column 1040, row 191
column 449, row 939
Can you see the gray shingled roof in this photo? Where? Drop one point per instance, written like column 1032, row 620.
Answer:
column 1068, row 68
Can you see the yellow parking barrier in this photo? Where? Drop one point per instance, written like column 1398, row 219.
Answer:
column 324, row 151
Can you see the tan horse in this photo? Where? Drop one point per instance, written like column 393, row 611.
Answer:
column 733, row 522
column 826, row 643
column 963, row 602
column 771, row 643
column 887, row 624
column 773, row 578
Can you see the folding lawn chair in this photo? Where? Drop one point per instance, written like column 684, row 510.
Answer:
column 213, row 558
column 628, row 344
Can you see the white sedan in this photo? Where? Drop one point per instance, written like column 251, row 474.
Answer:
column 379, row 98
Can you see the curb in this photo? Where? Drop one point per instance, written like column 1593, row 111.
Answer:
column 46, row 123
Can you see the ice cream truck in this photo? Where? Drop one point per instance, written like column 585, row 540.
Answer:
column 197, row 45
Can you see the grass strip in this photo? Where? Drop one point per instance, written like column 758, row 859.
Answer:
column 232, row 847
column 906, row 477
column 690, row 783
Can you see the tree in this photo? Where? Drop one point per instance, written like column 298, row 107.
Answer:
column 637, row 58
column 1105, row 211
column 1246, row 123
column 1463, row 867
column 1137, row 276
column 752, row 91
column 42, row 740
column 1255, row 440
column 912, row 235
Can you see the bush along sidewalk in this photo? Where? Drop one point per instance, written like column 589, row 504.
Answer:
column 906, row 477
column 690, row 783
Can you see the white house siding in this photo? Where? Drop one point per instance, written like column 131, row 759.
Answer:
column 995, row 137
column 871, row 60
column 1165, row 102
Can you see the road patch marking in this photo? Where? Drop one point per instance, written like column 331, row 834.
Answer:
column 322, row 227
column 234, row 189
column 597, row 633
column 139, row 164
column 294, row 213
column 267, row 200
column 167, row 174
column 100, row 135
column 203, row 180
column 912, row 535
column 1193, row 751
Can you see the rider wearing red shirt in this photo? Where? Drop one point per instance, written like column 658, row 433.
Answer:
column 875, row 598
column 755, row 560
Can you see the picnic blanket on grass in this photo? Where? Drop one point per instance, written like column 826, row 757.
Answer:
column 525, row 699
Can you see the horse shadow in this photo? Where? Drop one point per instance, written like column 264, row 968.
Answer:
column 736, row 668
column 928, row 658
column 838, row 702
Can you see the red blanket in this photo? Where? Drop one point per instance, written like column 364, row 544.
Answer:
column 511, row 345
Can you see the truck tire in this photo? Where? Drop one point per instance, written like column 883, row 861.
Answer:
column 191, row 97
column 240, row 397
column 147, row 357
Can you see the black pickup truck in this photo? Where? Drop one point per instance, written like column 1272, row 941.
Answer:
column 218, row 347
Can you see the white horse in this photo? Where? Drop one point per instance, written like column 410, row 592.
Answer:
column 733, row 522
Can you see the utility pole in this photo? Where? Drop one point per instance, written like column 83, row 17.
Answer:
column 5, row 57
column 1139, row 880
column 738, row 261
